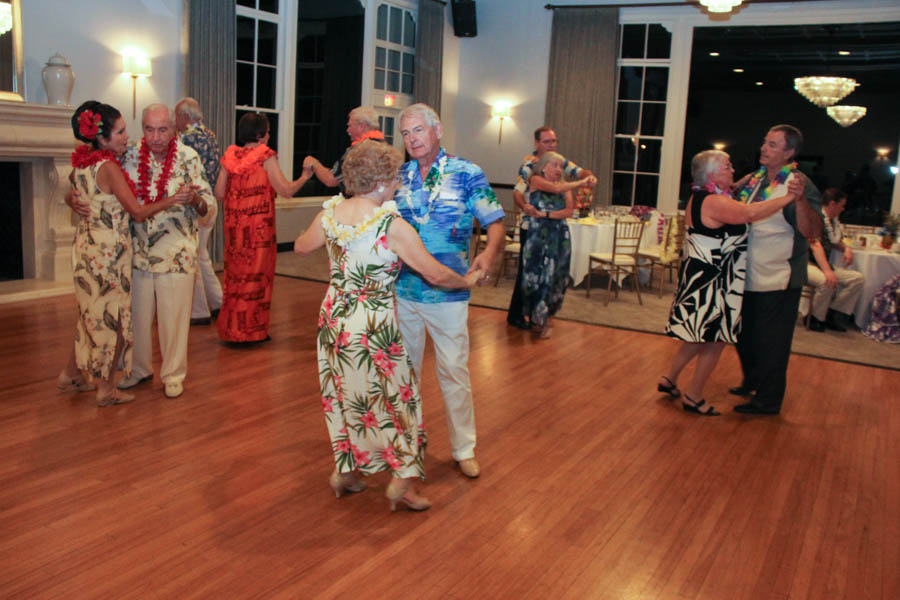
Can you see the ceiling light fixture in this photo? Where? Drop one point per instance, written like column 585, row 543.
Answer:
column 824, row 91
column 846, row 115
column 713, row 53
column 720, row 6
column 738, row 70
column 759, row 83
column 844, row 52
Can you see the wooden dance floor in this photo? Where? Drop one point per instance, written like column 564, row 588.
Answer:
column 593, row 485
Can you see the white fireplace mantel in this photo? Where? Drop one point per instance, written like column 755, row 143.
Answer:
column 39, row 137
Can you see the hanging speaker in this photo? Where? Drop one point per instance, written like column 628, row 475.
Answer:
column 464, row 18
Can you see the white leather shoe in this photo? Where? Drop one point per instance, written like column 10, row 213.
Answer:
column 469, row 467
column 133, row 380
column 174, row 389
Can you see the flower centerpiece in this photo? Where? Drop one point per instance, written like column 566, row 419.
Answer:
column 584, row 199
column 889, row 230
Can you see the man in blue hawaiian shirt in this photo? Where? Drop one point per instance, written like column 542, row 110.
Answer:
column 194, row 134
column 439, row 196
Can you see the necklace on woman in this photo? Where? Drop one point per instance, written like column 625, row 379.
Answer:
column 780, row 178
column 85, row 156
column 712, row 188
column 432, row 184
column 144, row 172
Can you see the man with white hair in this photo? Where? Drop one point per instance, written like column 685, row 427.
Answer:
column 362, row 124
column 439, row 196
column 195, row 134
column 165, row 247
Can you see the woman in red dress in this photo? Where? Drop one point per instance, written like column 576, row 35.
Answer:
column 247, row 184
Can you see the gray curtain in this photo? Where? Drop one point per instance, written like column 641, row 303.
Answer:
column 429, row 53
column 581, row 89
column 208, row 49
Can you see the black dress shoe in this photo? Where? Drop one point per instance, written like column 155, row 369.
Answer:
column 519, row 324
column 750, row 408
column 832, row 322
column 815, row 324
column 201, row 321
column 214, row 314
column 741, row 390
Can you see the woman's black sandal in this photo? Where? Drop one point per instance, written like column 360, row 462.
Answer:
column 694, row 407
column 668, row 389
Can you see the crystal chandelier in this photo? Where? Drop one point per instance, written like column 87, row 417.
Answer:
column 5, row 17
column 846, row 115
column 720, row 6
column 824, row 91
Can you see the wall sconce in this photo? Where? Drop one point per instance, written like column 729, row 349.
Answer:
column 719, row 146
column 500, row 110
column 135, row 64
column 882, row 153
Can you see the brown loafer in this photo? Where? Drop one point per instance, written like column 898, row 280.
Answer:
column 469, row 467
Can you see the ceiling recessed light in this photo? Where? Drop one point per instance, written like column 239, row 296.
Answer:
column 738, row 70
column 844, row 52
column 759, row 83
column 713, row 53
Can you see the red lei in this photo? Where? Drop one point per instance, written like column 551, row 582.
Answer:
column 85, row 156
column 144, row 172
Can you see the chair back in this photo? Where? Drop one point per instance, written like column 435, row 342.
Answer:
column 511, row 221
column 673, row 241
column 627, row 237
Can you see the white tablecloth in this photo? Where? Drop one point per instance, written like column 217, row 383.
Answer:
column 877, row 266
column 587, row 238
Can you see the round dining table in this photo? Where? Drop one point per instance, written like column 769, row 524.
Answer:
column 877, row 266
column 590, row 235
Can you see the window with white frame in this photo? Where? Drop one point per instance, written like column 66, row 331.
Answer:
column 258, row 72
column 395, row 48
column 644, row 61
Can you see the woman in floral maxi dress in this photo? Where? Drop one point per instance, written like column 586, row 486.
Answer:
column 101, row 253
column 370, row 393
column 247, row 184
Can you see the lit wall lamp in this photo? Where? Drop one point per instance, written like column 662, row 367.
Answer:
column 720, row 146
column 500, row 110
column 135, row 64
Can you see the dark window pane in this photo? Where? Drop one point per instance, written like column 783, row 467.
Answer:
column 306, row 81
column 380, row 56
column 244, row 85
column 645, row 190
column 649, row 153
column 270, row 6
column 247, row 3
column 317, row 113
column 627, row 118
column 659, row 40
column 379, row 79
column 656, row 84
column 246, row 34
column 393, row 81
column 265, row 87
column 633, row 41
column 409, row 30
column 266, row 43
column 273, row 130
column 653, row 119
column 409, row 62
column 624, row 155
column 314, row 138
column 396, row 25
column 631, row 81
column 621, row 192
column 381, row 26
column 306, row 49
column 393, row 60
column 407, row 87
column 301, row 138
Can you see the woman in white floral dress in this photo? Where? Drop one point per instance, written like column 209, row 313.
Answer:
column 101, row 253
column 370, row 393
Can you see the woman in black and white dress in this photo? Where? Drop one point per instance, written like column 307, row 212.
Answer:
column 706, row 311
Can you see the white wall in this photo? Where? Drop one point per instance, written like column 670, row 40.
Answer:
column 91, row 34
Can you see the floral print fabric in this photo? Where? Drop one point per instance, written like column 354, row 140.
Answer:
column 545, row 260
column 250, row 247
column 101, row 265
column 370, row 393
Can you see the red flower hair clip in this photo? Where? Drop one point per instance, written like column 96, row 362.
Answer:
column 89, row 124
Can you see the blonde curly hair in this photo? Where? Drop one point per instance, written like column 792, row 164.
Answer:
column 368, row 164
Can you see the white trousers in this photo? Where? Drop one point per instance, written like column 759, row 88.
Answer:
column 447, row 323
column 168, row 296
column 207, row 289
column 842, row 299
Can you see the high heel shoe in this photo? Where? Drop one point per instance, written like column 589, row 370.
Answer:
column 345, row 483
column 399, row 490
column 64, row 383
column 668, row 389
column 694, row 407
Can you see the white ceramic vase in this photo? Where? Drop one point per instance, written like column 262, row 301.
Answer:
column 58, row 80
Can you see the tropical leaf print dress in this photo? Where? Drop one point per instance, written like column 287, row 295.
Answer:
column 370, row 393
column 101, row 268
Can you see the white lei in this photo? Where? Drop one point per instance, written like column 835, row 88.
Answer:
column 435, row 191
column 834, row 233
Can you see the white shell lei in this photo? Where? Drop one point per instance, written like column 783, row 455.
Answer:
column 833, row 236
column 344, row 234
column 435, row 191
